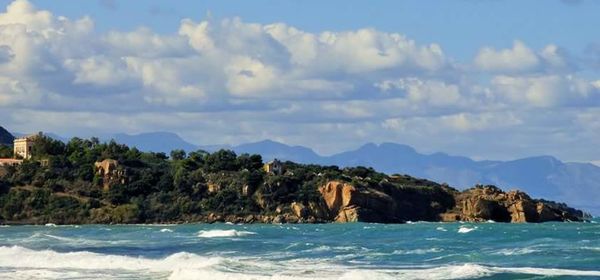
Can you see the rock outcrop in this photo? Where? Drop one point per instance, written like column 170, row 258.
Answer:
column 110, row 172
column 346, row 202
column 349, row 203
column 490, row 203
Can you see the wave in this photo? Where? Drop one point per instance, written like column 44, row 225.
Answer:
column 223, row 233
column 515, row 251
column 18, row 262
column 166, row 230
column 463, row 229
column 417, row 251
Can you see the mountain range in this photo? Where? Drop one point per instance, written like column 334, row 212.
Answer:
column 577, row 184
column 5, row 137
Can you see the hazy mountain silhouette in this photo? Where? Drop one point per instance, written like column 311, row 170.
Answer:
column 6, row 137
column 271, row 150
column 155, row 141
column 577, row 184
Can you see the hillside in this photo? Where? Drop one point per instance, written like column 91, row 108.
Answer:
column 5, row 137
column 90, row 182
column 574, row 183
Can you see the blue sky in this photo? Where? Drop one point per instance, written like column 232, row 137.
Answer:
column 487, row 79
column 461, row 26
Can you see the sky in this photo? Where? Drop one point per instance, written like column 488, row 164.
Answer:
column 489, row 79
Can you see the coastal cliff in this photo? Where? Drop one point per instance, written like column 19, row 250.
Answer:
column 85, row 181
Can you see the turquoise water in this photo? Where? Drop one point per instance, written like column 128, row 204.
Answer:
column 328, row 251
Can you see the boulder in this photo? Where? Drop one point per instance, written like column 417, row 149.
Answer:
column 347, row 203
column 299, row 210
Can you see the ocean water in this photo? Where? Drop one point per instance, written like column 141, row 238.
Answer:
column 326, row 251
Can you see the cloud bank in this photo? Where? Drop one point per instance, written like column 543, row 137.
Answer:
column 230, row 81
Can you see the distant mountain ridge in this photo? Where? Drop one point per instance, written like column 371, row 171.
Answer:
column 577, row 184
column 6, row 138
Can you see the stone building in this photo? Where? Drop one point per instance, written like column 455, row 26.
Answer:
column 23, row 146
column 274, row 167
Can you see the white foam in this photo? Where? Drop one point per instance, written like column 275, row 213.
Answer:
column 50, row 225
column 516, row 251
column 464, row 229
column 441, row 229
column 591, row 248
column 223, row 233
column 417, row 251
column 21, row 263
column 166, row 230
column 19, row 257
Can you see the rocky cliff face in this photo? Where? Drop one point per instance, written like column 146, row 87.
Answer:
column 346, row 202
column 111, row 173
column 491, row 203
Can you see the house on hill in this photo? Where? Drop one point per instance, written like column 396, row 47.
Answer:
column 23, row 146
column 22, row 149
column 274, row 167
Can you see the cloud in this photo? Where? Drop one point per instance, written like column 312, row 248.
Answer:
column 522, row 59
column 430, row 92
column 518, row 58
column 231, row 81
column 546, row 90
column 6, row 54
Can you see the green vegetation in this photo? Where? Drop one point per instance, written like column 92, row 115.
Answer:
column 86, row 181
column 6, row 151
column 158, row 188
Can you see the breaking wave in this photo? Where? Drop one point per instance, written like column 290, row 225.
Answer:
column 463, row 229
column 223, row 233
column 22, row 263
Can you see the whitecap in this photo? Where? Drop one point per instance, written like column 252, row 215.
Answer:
column 182, row 265
column 466, row 229
column 441, row 229
column 66, row 239
column 417, row 251
column 515, row 251
column 166, row 230
column 591, row 248
column 223, row 233
column 50, row 225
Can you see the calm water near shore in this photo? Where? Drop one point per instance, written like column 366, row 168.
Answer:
column 326, row 251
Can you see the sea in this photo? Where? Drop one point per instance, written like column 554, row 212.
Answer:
column 418, row 250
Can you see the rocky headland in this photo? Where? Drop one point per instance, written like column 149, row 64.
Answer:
column 85, row 181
